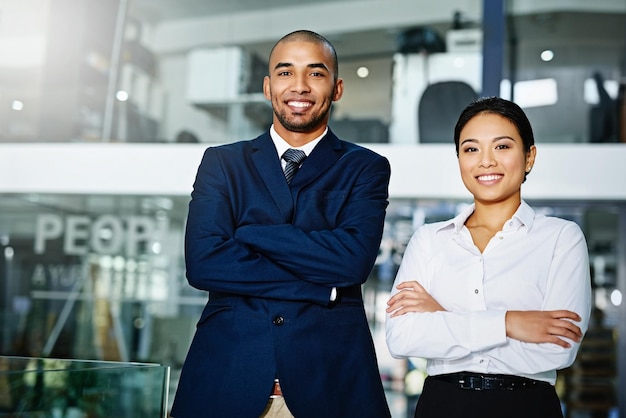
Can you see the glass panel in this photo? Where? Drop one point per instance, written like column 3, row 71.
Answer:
column 44, row 387
column 581, row 50
column 82, row 277
column 148, row 71
column 95, row 277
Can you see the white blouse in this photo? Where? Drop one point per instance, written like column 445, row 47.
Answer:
column 534, row 263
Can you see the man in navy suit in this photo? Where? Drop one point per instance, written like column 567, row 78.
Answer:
column 284, row 332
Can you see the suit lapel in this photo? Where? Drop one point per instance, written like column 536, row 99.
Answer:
column 268, row 167
column 324, row 155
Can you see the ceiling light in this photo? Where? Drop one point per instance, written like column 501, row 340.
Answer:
column 121, row 95
column 616, row 297
column 363, row 72
column 547, row 55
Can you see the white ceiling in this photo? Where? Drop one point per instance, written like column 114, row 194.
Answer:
column 159, row 10
column 359, row 29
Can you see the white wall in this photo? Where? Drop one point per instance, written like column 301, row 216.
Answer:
column 561, row 172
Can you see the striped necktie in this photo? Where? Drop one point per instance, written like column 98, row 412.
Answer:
column 294, row 158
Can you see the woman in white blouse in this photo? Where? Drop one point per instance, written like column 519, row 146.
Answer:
column 498, row 298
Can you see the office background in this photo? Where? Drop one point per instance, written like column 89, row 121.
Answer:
column 107, row 105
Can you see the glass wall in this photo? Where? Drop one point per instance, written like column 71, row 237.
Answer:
column 187, row 71
column 103, row 278
column 95, row 277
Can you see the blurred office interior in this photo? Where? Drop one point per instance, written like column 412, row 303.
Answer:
column 106, row 107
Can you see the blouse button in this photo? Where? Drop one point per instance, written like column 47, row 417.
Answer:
column 476, row 291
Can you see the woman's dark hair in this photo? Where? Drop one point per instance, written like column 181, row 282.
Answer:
column 498, row 106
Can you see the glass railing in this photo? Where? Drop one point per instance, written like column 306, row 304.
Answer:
column 55, row 388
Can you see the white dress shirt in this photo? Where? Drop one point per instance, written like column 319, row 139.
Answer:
column 534, row 263
column 282, row 145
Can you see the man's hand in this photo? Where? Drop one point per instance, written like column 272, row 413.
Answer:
column 543, row 326
column 412, row 298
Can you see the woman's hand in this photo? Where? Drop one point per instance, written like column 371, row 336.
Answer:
column 543, row 326
column 412, row 298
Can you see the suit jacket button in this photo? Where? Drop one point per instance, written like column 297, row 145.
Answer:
column 279, row 320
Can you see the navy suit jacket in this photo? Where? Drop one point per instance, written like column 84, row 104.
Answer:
column 269, row 254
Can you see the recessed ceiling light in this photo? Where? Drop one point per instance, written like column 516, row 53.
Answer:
column 547, row 55
column 363, row 72
column 121, row 95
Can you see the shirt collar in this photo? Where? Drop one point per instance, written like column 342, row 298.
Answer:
column 282, row 145
column 523, row 216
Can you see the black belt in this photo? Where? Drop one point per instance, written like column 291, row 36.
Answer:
column 476, row 381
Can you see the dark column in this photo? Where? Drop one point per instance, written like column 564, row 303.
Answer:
column 494, row 23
